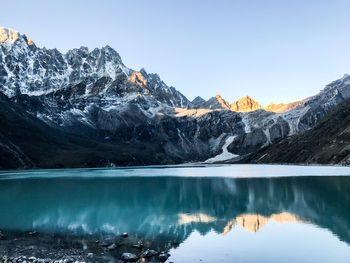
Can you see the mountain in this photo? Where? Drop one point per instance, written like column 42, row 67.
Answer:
column 197, row 101
column 216, row 102
column 326, row 143
column 27, row 142
column 245, row 104
column 281, row 107
column 93, row 96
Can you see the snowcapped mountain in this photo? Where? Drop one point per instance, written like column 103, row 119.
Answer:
column 26, row 69
column 93, row 94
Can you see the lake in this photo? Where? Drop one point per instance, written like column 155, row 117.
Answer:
column 198, row 213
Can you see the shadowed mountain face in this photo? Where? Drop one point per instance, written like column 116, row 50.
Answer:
column 93, row 96
column 143, row 206
column 27, row 142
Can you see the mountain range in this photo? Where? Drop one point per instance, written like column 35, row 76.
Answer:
column 86, row 108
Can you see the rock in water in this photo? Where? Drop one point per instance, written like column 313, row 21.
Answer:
column 112, row 247
column 139, row 244
column 149, row 253
column 164, row 256
column 129, row 257
column 2, row 236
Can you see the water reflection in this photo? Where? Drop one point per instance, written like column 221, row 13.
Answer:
column 173, row 207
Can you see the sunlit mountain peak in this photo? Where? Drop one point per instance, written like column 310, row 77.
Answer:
column 245, row 104
column 8, row 35
column 137, row 79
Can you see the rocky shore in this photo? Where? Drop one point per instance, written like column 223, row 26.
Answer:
column 34, row 247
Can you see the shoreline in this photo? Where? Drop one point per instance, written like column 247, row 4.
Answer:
column 182, row 165
column 37, row 247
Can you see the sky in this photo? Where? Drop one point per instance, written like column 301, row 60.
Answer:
column 272, row 50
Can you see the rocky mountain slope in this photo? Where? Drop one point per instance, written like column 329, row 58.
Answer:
column 327, row 143
column 245, row 104
column 27, row 142
column 93, row 95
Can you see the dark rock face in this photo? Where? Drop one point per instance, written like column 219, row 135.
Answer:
column 93, row 95
column 129, row 257
column 27, row 142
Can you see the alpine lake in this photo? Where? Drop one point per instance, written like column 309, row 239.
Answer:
column 187, row 213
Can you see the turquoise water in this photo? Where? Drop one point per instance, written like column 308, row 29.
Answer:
column 239, row 213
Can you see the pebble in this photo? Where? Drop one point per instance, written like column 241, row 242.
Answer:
column 139, row 244
column 32, row 259
column 129, row 257
column 104, row 244
column 149, row 253
column 112, row 247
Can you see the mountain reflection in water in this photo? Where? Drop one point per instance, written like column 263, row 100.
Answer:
column 173, row 207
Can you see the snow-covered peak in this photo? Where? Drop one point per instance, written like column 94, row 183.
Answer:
column 81, row 75
column 345, row 77
column 8, row 35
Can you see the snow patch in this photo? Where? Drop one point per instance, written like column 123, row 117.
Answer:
column 225, row 155
column 245, row 120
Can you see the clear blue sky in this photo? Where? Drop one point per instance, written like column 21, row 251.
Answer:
column 272, row 50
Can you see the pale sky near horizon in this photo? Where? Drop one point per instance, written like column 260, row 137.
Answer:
column 271, row 50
